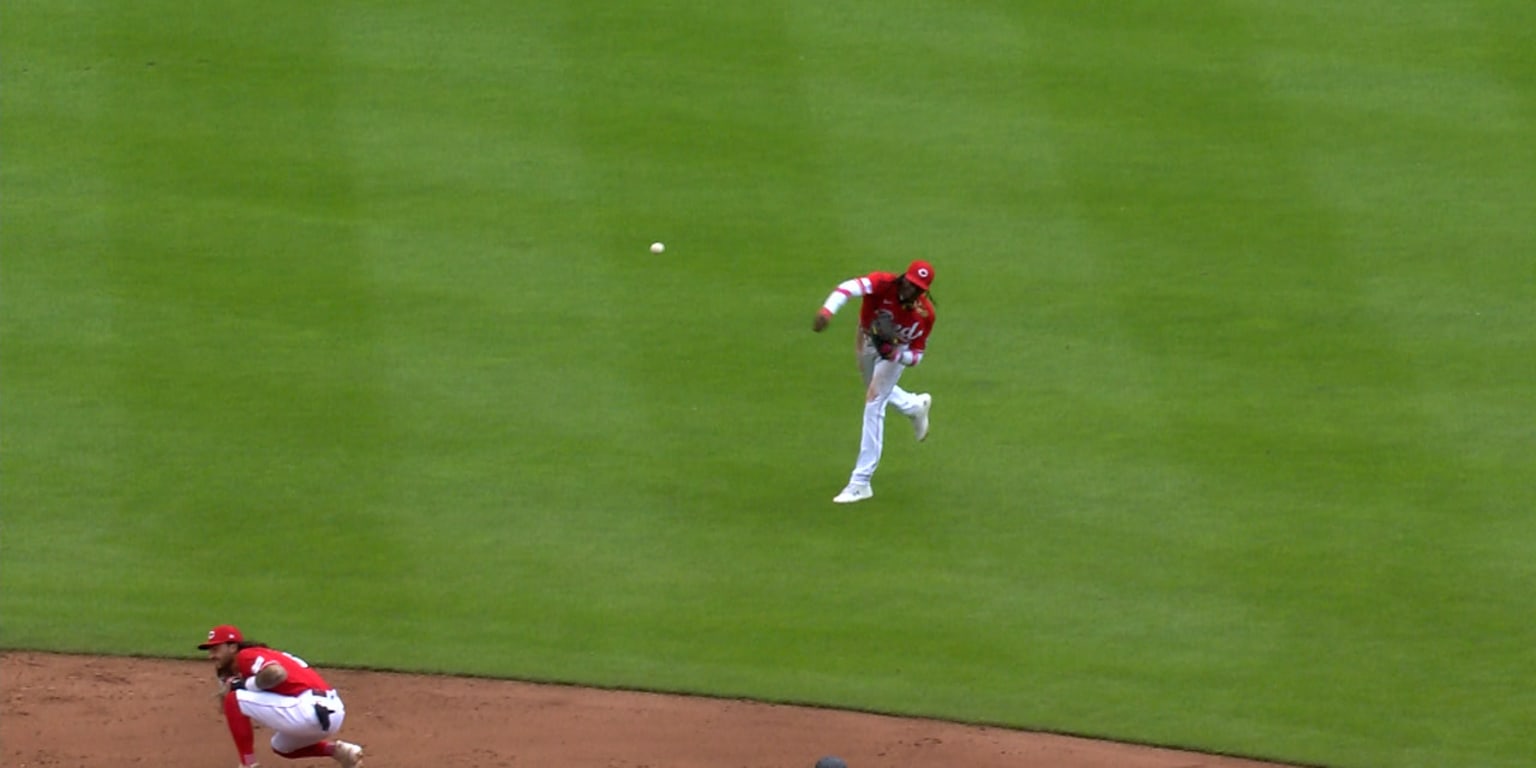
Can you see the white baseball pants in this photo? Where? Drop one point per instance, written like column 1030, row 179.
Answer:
column 292, row 719
column 880, row 389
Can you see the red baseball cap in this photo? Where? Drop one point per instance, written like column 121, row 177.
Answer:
column 223, row 633
column 920, row 274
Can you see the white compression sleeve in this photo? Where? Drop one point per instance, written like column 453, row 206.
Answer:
column 845, row 290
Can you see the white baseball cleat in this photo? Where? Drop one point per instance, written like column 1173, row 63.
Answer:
column 920, row 421
column 346, row 753
column 854, row 492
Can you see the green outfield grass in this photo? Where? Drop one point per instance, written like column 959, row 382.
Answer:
column 338, row 322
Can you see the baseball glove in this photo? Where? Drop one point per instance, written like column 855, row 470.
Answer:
column 883, row 336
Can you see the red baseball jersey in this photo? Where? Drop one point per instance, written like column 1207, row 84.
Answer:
column 880, row 296
column 301, row 677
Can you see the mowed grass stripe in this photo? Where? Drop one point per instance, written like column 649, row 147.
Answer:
column 1308, row 370
column 1215, row 415
column 57, row 324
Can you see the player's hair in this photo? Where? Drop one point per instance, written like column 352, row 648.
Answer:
column 244, row 644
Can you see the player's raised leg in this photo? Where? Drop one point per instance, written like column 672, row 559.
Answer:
column 915, row 407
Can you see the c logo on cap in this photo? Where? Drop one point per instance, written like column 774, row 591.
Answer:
column 922, row 273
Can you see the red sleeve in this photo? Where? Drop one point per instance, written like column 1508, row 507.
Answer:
column 879, row 281
column 875, row 284
column 301, row 677
column 248, row 661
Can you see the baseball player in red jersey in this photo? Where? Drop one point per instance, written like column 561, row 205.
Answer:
column 888, row 300
column 283, row 693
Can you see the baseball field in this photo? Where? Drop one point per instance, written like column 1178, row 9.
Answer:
column 337, row 320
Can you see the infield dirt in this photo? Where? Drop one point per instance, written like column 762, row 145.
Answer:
column 112, row 712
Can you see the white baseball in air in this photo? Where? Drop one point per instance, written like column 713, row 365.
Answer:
column 658, row 247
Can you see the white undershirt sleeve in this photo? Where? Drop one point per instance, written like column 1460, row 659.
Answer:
column 845, row 290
